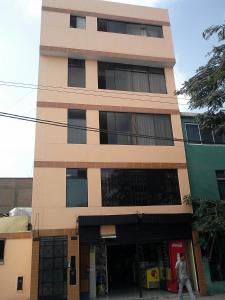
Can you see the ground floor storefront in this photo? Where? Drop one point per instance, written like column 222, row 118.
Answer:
column 113, row 256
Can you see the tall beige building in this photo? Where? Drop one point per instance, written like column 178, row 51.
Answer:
column 110, row 177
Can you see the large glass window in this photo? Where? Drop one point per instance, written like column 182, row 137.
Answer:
column 76, row 119
column 135, row 128
column 76, row 188
column 124, row 77
column 77, row 22
column 76, row 73
column 138, row 187
column 130, row 28
column 197, row 135
column 220, row 176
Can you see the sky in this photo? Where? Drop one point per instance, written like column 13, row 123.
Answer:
column 19, row 55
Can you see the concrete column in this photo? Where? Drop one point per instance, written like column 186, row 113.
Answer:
column 92, row 273
column 92, row 117
column 199, row 264
column 94, row 188
column 91, row 74
column 183, row 183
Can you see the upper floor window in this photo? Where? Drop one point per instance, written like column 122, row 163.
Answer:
column 130, row 28
column 139, row 187
column 197, row 135
column 135, row 128
column 77, row 119
column 123, row 77
column 76, row 188
column 2, row 249
column 77, row 22
column 220, row 176
column 76, row 72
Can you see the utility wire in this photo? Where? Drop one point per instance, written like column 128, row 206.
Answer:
column 67, row 125
column 82, row 91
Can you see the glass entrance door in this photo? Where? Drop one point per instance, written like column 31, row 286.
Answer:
column 53, row 268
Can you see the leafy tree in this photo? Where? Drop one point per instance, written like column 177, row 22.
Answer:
column 206, row 88
column 209, row 221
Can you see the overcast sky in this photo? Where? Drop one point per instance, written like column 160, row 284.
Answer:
column 19, row 47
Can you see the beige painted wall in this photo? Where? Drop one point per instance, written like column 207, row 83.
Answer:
column 49, row 192
column 17, row 262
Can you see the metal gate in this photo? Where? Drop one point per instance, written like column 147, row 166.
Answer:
column 53, row 268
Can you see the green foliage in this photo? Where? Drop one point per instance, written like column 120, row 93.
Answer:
column 209, row 221
column 206, row 88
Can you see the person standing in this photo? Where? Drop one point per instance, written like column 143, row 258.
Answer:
column 183, row 278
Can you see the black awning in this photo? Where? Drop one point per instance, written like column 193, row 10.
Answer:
column 134, row 219
column 131, row 229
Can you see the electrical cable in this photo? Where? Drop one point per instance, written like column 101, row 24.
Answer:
column 72, row 90
column 65, row 125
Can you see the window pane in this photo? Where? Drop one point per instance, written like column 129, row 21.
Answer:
column 123, row 124
column 77, row 22
column 130, row 28
column 220, row 175
column 219, row 137
column 206, row 136
column 123, row 80
column 157, row 83
column 102, row 25
column 193, row 134
column 125, row 77
column 144, row 125
column 117, row 27
column 110, row 79
column 76, row 188
column 163, row 130
column 154, row 31
column 76, row 118
column 134, row 187
column 140, row 82
column 134, row 28
column 76, row 73
column 81, row 22
column 221, row 186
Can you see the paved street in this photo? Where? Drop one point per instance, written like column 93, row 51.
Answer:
column 159, row 295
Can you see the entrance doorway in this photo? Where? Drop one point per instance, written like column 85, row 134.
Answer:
column 122, row 274
column 53, row 268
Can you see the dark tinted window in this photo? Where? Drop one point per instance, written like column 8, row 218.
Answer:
column 130, row 28
column 77, row 22
column 123, row 77
column 220, row 175
column 219, row 136
column 76, row 73
column 136, row 187
column 206, row 136
column 76, row 118
column 197, row 135
column 193, row 134
column 76, row 188
column 2, row 248
column 135, row 128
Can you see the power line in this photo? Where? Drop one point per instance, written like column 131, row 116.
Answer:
column 67, row 125
column 82, row 91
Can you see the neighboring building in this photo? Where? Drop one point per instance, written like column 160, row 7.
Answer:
column 15, row 192
column 108, row 207
column 205, row 153
column 15, row 258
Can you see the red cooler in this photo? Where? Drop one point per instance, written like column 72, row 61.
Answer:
column 175, row 248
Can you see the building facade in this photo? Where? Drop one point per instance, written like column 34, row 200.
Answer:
column 111, row 174
column 15, row 258
column 205, row 153
column 15, row 192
